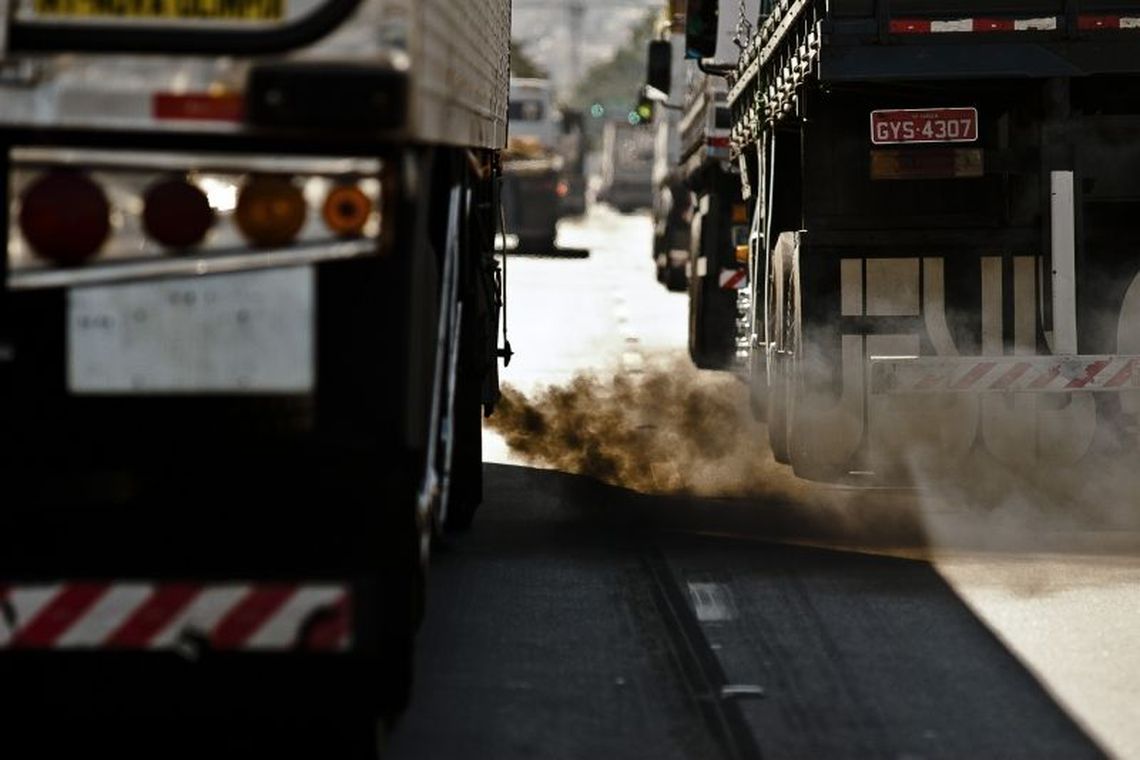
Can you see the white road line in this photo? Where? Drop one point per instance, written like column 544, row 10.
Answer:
column 712, row 602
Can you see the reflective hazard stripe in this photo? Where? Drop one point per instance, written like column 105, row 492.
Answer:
column 1085, row 22
column 1003, row 374
column 733, row 279
column 134, row 615
column 960, row 25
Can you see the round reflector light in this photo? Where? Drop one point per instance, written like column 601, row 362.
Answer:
column 270, row 211
column 346, row 210
column 176, row 213
column 65, row 217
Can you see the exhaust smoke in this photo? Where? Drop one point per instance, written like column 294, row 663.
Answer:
column 670, row 429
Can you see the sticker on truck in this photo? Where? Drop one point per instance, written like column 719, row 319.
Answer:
column 196, row 10
column 924, row 125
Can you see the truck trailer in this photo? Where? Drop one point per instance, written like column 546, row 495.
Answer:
column 945, row 227
column 247, row 335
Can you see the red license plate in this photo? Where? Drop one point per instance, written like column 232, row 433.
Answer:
column 924, row 125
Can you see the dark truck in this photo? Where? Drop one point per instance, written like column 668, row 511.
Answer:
column 532, row 167
column 947, row 197
column 247, row 336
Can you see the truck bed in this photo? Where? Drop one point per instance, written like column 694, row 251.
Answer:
column 909, row 40
column 442, row 66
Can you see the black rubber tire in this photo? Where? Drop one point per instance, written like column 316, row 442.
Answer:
column 676, row 281
column 466, row 491
column 537, row 245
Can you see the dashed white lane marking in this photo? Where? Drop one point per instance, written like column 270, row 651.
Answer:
column 712, row 602
column 632, row 361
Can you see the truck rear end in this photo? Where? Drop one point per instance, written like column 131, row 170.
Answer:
column 247, row 333
column 947, row 204
column 627, row 166
column 532, row 167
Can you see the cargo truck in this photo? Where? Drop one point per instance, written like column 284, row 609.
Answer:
column 719, row 221
column 945, row 228
column 532, row 166
column 247, row 334
column 672, row 201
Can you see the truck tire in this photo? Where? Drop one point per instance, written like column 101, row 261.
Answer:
column 778, row 319
column 476, row 360
column 676, row 280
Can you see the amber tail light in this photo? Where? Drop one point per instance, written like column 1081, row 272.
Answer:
column 270, row 211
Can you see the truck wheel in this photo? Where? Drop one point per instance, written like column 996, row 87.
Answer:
column 466, row 490
column 537, row 244
column 779, row 320
column 675, row 279
column 778, row 413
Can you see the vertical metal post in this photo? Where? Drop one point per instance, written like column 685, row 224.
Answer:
column 1063, row 247
column 6, row 347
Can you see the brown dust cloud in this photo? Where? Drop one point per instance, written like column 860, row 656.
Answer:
column 674, row 430
column 668, row 429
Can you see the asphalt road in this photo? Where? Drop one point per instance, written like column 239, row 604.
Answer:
column 582, row 620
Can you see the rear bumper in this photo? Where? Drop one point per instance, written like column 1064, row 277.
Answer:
column 101, row 685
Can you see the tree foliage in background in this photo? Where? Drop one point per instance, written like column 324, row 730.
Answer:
column 522, row 65
column 615, row 83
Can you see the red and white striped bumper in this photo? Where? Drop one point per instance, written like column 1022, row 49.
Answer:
column 1040, row 374
column 129, row 615
column 975, row 25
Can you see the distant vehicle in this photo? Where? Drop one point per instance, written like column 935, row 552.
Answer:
column 247, row 334
column 627, row 166
column 672, row 198
column 572, row 180
column 532, row 166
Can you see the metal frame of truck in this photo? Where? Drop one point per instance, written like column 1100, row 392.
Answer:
column 929, row 306
column 237, row 551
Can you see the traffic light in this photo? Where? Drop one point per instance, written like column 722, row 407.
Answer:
column 644, row 110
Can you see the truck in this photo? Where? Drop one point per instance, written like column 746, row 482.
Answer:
column 571, row 187
column 627, row 166
column 247, row 335
column 672, row 202
column 718, row 217
column 721, row 223
column 532, row 166
column 945, row 202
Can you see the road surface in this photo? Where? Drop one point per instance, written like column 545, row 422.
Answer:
column 585, row 620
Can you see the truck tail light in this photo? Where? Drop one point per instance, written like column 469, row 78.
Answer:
column 346, row 210
column 65, row 217
column 270, row 211
column 176, row 213
column 563, row 188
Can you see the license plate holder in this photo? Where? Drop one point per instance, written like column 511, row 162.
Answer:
column 924, row 125
column 250, row 332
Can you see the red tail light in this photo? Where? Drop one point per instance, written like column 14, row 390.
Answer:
column 176, row 213
column 65, row 217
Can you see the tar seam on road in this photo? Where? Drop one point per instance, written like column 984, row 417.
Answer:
column 700, row 669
